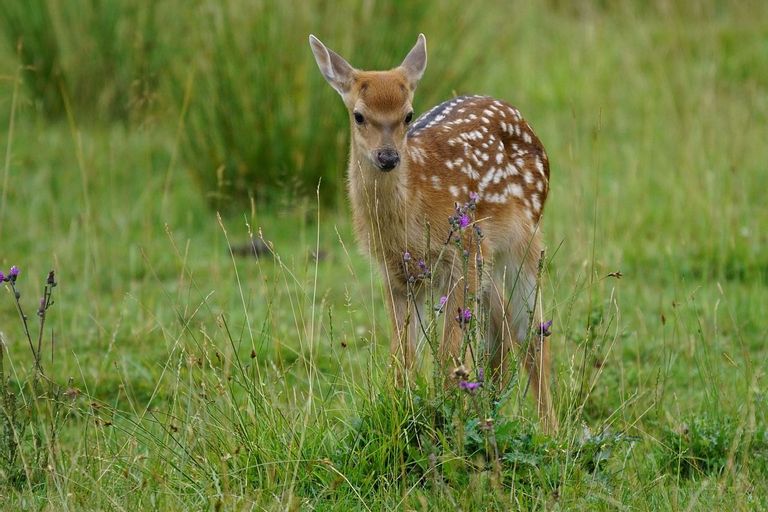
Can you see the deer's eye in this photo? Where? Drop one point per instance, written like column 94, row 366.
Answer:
column 408, row 118
column 359, row 119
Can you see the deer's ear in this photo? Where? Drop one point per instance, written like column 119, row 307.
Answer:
column 415, row 62
column 334, row 68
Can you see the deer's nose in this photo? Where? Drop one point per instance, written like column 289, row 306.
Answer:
column 387, row 159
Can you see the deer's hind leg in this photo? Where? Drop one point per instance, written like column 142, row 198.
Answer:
column 513, row 307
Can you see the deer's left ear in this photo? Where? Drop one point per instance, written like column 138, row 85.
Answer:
column 415, row 62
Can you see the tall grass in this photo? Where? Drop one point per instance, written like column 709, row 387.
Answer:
column 98, row 59
column 29, row 31
column 257, row 118
column 262, row 121
column 202, row 380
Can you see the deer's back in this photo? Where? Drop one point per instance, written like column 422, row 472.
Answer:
column 482, row 145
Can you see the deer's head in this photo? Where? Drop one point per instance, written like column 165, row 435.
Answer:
column 379, row 102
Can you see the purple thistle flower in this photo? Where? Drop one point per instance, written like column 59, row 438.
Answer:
column 464, row 220
column 2, row 277
column 473, row 196
column 464, row 316
column 14, row 272
column 443, row 300
column 422, row 265
column 469, row 386
column 41, row 309
column 544, row 328
column 406, row 256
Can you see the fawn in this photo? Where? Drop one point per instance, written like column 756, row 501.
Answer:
column 406, row 177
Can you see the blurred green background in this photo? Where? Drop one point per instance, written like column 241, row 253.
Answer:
column 255, row 118
column 125, row 126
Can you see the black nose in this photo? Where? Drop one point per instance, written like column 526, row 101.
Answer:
column 387, row 159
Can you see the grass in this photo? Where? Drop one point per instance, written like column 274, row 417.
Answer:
column 119, row 37
column 204, row 380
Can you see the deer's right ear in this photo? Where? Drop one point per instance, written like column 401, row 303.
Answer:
column 334, row 68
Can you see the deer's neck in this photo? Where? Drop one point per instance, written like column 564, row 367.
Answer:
column 383, row 204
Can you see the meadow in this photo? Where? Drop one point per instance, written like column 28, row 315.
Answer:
column 145, row 148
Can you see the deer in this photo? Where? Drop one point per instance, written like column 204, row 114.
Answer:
column 407, row 176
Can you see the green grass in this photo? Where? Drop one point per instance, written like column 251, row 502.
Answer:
column 216, row 382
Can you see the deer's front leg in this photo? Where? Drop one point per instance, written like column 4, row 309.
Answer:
column 403, row 336
column 458, row 313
